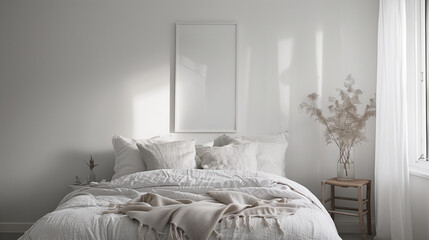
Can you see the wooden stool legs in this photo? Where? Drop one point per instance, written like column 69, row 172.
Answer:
column 360, row 202
column 333, row 201
column 359, row 184
column 368, row 208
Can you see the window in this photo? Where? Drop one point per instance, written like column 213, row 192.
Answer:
column 418, row 135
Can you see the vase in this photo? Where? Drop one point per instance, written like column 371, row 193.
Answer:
column 91, row 176
column 346, row 170
column 345, row 164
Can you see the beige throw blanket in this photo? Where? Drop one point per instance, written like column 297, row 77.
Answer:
column 197, row 220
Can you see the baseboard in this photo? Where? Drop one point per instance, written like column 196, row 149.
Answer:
column 14, row 227
column 351, row 227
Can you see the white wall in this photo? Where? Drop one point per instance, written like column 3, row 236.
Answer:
column 73, row 73
column 419, row 207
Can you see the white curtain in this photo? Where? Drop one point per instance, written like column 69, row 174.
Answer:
column 398, row 71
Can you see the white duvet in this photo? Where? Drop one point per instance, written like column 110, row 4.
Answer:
column 80, row 213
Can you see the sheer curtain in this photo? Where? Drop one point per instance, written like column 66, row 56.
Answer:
column 398, row 71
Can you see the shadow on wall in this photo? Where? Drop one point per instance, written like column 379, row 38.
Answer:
column 277, row 78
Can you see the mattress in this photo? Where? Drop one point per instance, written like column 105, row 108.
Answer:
column 81, row 214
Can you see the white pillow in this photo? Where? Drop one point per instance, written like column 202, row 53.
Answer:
column 271, row 150
column 198, row 149
column 232, row 157
column 171, row 155
column 223, row 140
column 128, row 158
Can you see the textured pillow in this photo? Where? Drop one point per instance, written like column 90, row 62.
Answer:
column 271, row 155
column 199, row 148
column 230, row 157
column 171, row 155
column 224, row 140
column 128, row 158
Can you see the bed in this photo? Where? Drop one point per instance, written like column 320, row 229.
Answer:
column 268, row 206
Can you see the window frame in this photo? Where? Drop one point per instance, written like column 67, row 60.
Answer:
column 420, row 166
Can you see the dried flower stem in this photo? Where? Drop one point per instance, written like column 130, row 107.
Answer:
column 344, row 126
column 91, row 164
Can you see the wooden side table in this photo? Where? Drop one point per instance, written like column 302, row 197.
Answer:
column 361, row 212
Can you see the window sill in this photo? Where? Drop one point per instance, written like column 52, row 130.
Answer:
column 419, row 171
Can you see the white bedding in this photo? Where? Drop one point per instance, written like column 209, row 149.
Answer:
column 79, row 215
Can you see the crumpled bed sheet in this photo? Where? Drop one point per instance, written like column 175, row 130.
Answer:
column 80, row 214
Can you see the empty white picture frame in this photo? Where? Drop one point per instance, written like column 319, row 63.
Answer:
column 206, row 77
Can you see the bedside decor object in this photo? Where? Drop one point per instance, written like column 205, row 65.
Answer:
column 345, row 126
column 91, row 164
column 77, row 181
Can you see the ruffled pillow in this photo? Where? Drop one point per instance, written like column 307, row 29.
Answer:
column 229, row 157
column 271, row 155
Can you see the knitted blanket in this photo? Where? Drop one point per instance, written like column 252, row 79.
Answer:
column 198, row 219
